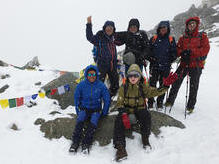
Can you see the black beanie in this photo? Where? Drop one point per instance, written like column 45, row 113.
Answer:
column 134, row 22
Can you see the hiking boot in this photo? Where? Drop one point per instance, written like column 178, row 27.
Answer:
column 189, row 110
column 85, row 149
column 121, row 153
column 159, row 106
column 150, row 105
column 73, row 148
column 145, row 141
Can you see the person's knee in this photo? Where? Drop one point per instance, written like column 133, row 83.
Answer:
column 81, row 116
column 95, row 118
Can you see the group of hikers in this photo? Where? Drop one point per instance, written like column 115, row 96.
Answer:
column 92, row 98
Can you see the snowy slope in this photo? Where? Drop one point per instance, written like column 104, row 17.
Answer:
column 198, row 143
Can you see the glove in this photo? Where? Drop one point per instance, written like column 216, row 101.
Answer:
column 185, row 56
column 170, row 79
column 126, row 121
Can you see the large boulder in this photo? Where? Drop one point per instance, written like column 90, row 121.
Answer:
column 64, row 127
column 67, row 98
column 32, row 64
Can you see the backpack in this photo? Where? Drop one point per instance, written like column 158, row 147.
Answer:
column 143, row 81
column 156, row 36
column 95, row 51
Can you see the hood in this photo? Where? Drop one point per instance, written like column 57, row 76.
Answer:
column 134, row 22
column 109, row 23
column 164, row 23
column 135, row 67
column 197, row 19
column 91, row 67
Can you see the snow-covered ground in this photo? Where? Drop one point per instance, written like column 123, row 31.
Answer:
column 197, row 144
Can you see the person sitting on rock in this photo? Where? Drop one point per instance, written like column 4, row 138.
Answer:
column 131, row 104
column 88, row 104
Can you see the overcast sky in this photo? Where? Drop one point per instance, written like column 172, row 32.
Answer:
column 54, row 30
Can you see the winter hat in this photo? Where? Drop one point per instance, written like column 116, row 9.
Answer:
column 109, row 23
column 91, row 69
column 163, row 24
column 134, row 22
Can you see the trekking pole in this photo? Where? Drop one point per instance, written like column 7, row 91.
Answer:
column 165, row 108
column 187, row 84
column 145, row 68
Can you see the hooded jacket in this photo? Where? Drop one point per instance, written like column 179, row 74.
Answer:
column 137, row 43
column 134, row 99
column 89, row 95
column 106, row 48
column 199, row 45
column 162, row 50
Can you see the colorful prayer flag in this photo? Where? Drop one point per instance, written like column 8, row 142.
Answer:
column 27, row 99
column 12, row 103
column 53, row 91
column 4, row 103
column 41, row 94
column 67, row 87
column 61, row 90
column 20, row 101
column 34, row 96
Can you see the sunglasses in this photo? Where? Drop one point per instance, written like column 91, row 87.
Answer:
column 134, row 75
column 91, row 74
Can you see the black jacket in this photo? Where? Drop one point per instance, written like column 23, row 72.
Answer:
column 137, row 43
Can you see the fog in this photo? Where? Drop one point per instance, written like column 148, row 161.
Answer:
column 54, row 30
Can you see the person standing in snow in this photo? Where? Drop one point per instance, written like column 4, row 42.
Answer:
column 163, row 47
column 106, row 53
column 131, row 106
column 88, row 104
column 193, row 48
column 136, row 45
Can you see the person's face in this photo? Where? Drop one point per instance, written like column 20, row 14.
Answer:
column 163, row 30
column 133, row 79
column 192, row 25
column 133, row 29
column 91, row 76
column 109, row 30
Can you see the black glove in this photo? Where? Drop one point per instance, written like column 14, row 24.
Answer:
column 122, row 110
column 152, row 59
column 185, row 56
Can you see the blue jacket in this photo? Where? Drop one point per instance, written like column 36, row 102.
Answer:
column 162, row 50
column 89, row 95
column 106, row 47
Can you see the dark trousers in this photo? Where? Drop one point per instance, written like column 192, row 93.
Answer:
column 88, row 134
column 144, row 119
column 194, row 76
column 157, row 76
column 113, row 78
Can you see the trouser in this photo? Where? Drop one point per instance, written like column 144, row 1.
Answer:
column 92, row 125
column 113, row 78
column 157, row 75
column 144, row 119
column 194, row 74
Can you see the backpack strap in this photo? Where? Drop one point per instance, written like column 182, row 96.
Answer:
column 170, row 39
column 154, row 39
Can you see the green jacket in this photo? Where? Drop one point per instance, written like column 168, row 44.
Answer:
column 134, row 99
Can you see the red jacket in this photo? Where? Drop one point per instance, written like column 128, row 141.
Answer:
column 199, row 45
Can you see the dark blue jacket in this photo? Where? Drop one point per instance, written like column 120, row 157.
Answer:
column 162, row 50
column 106, row 48
column 89, row 95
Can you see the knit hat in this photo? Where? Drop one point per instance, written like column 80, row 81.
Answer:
column 134, row 22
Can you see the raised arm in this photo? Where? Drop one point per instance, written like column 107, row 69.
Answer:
column 89, row 33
